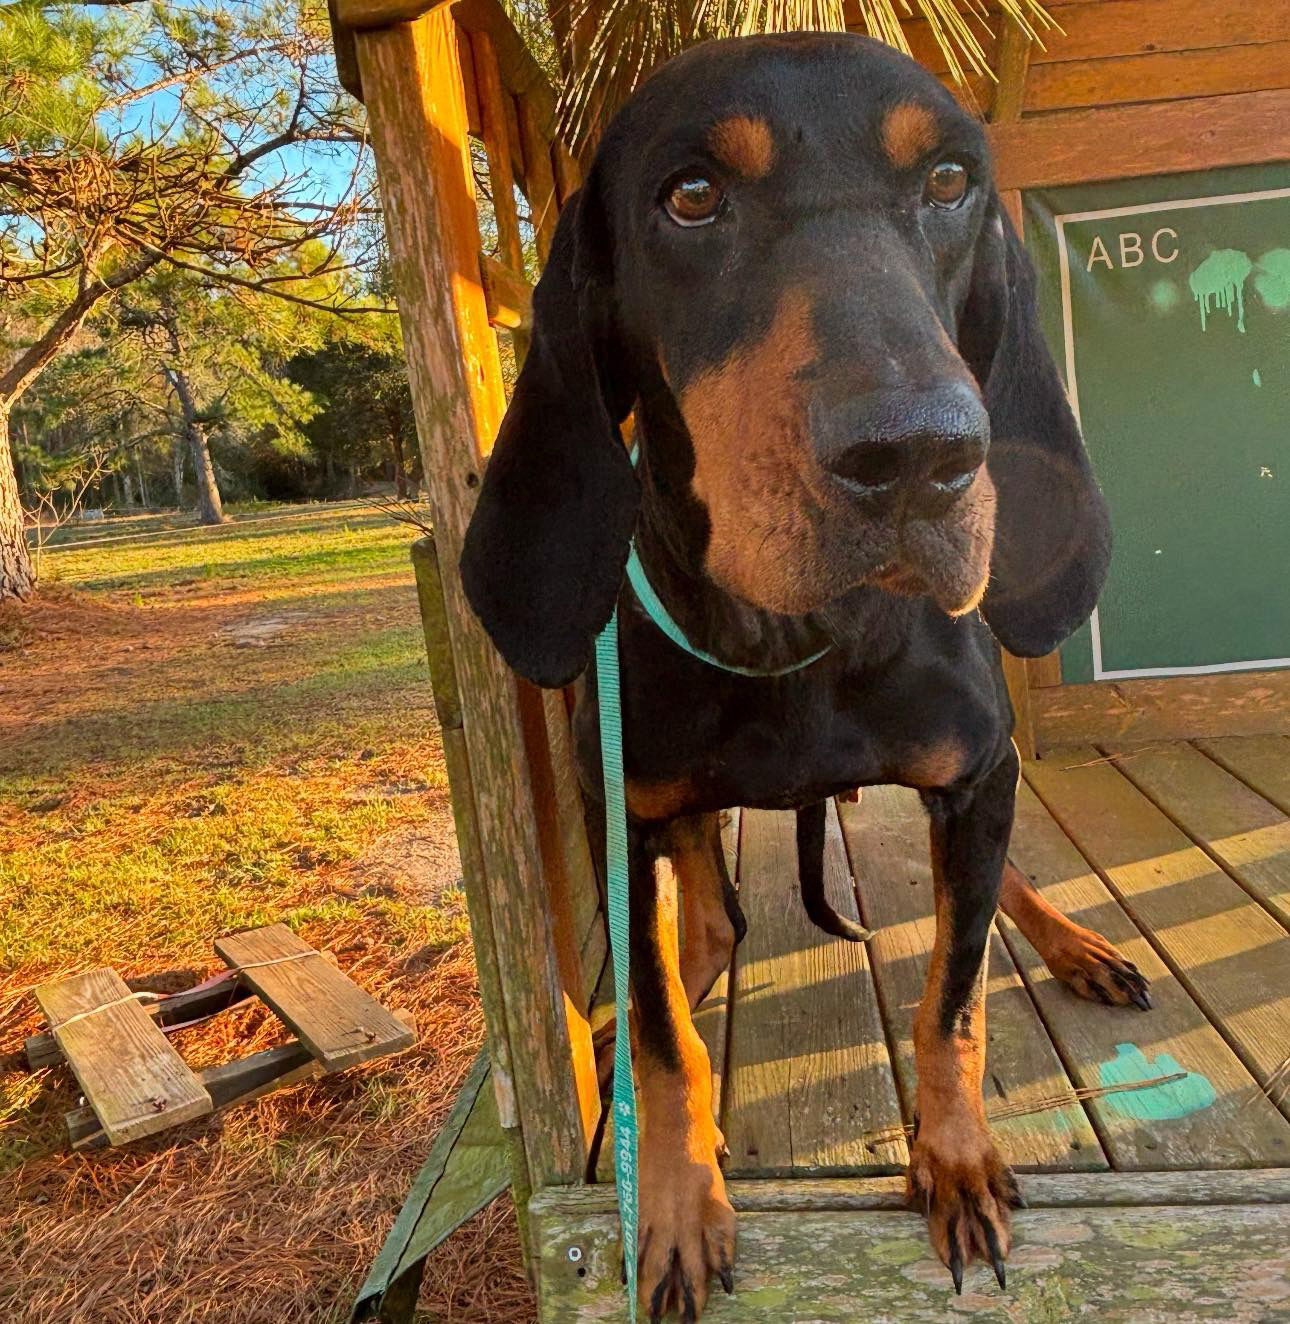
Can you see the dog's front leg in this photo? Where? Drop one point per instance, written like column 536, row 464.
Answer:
column 687, row 1227
column 956, row 1176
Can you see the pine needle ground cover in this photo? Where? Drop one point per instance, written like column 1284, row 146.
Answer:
column 203, row 730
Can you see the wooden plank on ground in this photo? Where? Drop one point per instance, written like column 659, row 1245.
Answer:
column 809, row 1085
column 886, row 834
column 1227, row 951
column 337, row 1021
column 207, row 999
column 1248, row 836
column 130, row 1073
column 1239, row 1129
column 1248, row 703
column 1261, row 762
column 229, row 1084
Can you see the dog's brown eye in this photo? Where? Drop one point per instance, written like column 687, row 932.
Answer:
column 692, row 200
column 946, row 184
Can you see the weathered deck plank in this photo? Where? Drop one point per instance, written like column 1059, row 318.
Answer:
column 1261, row 762
column 1248, row 836
column 1149, row 1263
column 886, row 835
column 1240, row 1128
column 809, row 1075
column 1227, row 951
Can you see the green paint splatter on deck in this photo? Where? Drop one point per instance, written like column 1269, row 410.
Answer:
column 1220, row 280
column 1272, row 278
column 1157, row 1103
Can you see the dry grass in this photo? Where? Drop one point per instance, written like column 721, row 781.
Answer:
column 162, row 784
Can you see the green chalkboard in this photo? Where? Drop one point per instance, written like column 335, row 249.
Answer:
column 1167, row 304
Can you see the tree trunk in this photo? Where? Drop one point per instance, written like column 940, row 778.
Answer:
column 400, row 471
column 210, row 509
column 142, row 479
column 17, row 574
column 127, row 488
column 177, row 471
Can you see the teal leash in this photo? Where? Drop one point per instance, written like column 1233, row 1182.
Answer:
column 618, row 881
column 618, row 870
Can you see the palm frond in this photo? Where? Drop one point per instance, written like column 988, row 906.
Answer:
column 632, row 37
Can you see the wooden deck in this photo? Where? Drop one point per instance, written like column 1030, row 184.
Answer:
column 1179, row 853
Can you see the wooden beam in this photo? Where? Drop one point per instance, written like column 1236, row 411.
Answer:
column 1167, row 76
column 539, row 177
column 509, row 297
column 493, row 128
column 1013, row 63
column 1096, row 30
column 520, row 72
column 416, row 109
column 359, row 14
column 1017, row 679
column 1240, row 703
column 1202, row 133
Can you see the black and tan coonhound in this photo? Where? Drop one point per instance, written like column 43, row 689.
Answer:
column 789, row 262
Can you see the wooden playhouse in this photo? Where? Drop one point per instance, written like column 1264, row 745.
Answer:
column 1135, row 143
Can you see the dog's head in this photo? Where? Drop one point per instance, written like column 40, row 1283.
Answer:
column 790, row 258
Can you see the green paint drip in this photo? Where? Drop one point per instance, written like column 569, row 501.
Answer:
column 1256, row 378
column 1156, row 1103
column 1220, row 280
column 1272, row 278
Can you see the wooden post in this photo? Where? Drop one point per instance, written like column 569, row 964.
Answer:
column 1013, row 64
column 417, row 112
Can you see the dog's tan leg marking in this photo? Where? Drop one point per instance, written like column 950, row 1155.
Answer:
column 707, row 935
column 957, row 1177
column 687, row 1227
column 1081, row 958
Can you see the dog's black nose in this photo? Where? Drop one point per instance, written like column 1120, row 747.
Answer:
column 919, row 448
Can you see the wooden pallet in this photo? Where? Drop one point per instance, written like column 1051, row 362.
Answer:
column 135, row 1082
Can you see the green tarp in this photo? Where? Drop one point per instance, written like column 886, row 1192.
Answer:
column 468, row 1167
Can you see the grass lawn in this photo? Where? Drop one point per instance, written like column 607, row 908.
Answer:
column 203, row 730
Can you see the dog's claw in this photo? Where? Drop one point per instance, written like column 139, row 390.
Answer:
column 1142, row 999
column 996, row 1253
column 956, row 1265
column 727, row 1278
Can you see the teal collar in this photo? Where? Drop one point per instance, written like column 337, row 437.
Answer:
column 659, row 614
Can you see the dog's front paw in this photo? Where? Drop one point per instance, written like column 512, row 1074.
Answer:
column 960, row 1183
column 687, row 1227
column 1089, row 965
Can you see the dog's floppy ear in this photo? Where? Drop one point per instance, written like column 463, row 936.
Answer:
column 1052, row 538
column 547, row 544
